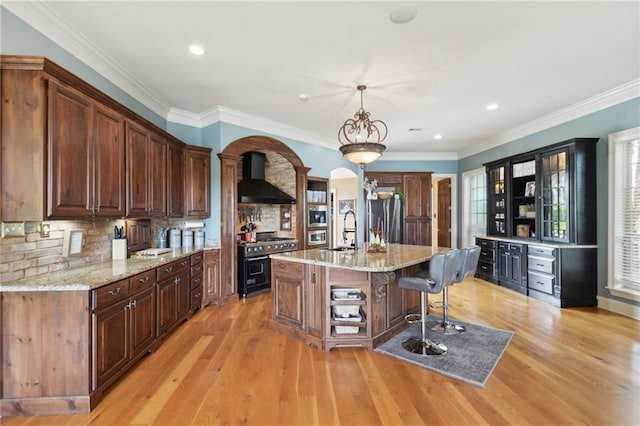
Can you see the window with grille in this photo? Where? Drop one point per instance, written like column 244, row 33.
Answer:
column 624, row 213
column 474, row 205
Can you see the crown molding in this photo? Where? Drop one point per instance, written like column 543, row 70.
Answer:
column 47, row 21
column 242, row 119
column 617, row 95
column 419, row 156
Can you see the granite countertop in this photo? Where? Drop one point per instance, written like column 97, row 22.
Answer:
column 398, row 256
column 96, row 275
column 537, row 243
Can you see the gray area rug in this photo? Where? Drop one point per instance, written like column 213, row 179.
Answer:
column 471, row 357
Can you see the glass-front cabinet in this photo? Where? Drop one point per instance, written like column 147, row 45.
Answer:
column 497, row 200
column 554, row 197
column 545, row 195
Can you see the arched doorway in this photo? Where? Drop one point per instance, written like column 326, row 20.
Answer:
column 229, row 160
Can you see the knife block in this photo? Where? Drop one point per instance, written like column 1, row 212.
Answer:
column 119, row 249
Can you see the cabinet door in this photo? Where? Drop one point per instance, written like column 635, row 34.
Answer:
column 166, row 312
column 175, row 180
column 197, row 182
column 287, row 285
column 157, row 176
column 211, row 277
column 110, row 342
column 504, row 265
column 137, row 170
column 316, row 301
column 555, row 194
column 183, row 295
column 143, row 321
column 109, row 147
column 70, row 155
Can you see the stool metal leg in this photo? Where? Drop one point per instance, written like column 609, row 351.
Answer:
column 446, row 327
column 423, row 345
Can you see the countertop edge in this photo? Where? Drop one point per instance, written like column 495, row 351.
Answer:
column 537, row 243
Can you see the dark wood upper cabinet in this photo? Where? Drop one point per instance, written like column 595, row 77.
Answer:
column 85, row 156
column 175, row 179
column 197, row 170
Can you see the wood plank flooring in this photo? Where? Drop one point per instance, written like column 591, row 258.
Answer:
column 226, row 366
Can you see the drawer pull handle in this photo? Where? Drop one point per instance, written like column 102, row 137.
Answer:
column 538, row 282
column 484, row 267
column 144, row 280
column 114, row 292
column 169, row 269
column 539, row 264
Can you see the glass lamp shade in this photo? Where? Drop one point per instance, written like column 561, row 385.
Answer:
column 362, row 153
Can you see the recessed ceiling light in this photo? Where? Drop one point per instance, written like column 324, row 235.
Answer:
column 492, row 106
column 196, row 50
column 303, row 96
column 437, row 136
column 403, row 13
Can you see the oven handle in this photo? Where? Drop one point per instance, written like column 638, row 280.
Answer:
column 258, row 258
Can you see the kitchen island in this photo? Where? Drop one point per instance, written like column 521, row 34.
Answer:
column 330, row 299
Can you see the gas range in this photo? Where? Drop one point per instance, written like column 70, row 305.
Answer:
column 267, row 243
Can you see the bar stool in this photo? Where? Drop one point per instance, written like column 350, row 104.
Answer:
column 467, row 265
column 443, row 269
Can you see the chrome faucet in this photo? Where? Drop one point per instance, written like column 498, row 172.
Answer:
column 353, row 230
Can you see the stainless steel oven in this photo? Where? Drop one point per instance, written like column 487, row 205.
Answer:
column 317, row 237
column 317, row 216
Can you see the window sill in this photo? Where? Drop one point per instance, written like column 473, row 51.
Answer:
column 625, row 293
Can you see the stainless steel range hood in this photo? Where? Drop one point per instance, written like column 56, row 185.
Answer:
column 253, row 188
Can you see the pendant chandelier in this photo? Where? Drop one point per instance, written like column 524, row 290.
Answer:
column 361, row 138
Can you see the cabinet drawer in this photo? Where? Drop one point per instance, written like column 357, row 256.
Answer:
column 287, row 269
column 541, row 251
column 503, row 246
column 485, row 268
column 196, row 281
column 110, row 294
column 196, row 269
column 196, row 258
column 541, row 264
column 142, row 281
column 516, row 248
column 196, row 299
column 171, row 269
column 489, row 244
column 487, row 255
column 541, row 282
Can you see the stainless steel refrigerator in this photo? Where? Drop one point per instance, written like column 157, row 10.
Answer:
column 386, row 215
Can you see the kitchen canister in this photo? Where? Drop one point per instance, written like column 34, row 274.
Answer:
column 198, row 239
column 174, row 238
column 187, row 238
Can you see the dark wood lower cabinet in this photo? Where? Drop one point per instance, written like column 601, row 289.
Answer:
column 563, row 275
column 85, row 340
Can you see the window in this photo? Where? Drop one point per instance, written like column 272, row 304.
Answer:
column 624, row 214
column 474, row 206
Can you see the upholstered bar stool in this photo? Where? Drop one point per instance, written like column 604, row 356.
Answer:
column 443, row 268
column 467, row 265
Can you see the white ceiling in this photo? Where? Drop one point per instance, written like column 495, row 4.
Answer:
column 436, row 73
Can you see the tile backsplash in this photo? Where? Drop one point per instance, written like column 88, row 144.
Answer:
column 31, row 255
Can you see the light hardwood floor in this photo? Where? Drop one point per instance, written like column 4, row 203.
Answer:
column 226, row 366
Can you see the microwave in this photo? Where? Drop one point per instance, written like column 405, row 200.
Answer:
column 317, row 216
column 317, row 238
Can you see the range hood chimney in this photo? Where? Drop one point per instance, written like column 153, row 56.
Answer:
column 253, row 188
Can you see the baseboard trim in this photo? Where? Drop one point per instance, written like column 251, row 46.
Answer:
column 626, row 309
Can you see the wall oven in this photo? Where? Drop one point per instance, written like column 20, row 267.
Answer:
column 317, row 216
column 317, row 237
